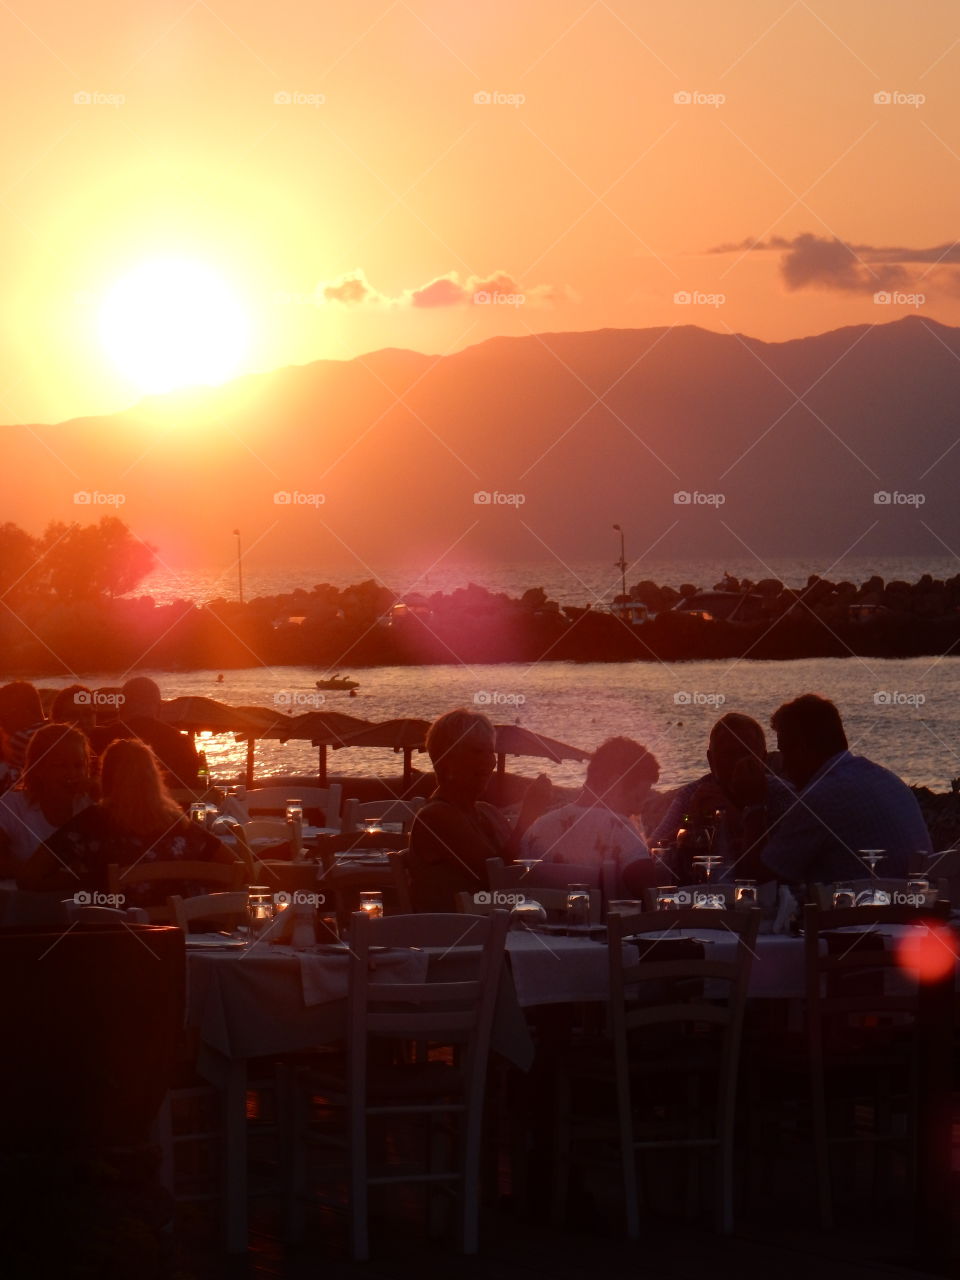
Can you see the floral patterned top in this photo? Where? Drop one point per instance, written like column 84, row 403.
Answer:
column 91, row 841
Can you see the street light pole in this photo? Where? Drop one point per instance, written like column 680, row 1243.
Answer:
column 239, row 565
column 621, row 564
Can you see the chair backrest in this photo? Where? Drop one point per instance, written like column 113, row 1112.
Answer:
column 273, row 800
column 226, row 875
column 946, row 865
column 850, row 973
column 343, row 882
column 458, row 1010
column 551, row 875
column 80, row 913
column 694, row 987
column 404, row 811
column 226, row 907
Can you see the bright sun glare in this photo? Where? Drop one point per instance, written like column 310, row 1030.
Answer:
column 174, row 323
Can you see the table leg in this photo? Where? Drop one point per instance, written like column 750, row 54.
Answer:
column 235, row 1155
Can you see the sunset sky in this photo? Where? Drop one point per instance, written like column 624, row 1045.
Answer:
column 316, row 180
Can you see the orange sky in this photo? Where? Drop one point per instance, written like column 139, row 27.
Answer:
column 596, row 198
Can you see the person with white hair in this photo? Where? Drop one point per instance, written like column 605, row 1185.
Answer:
column 138, row 716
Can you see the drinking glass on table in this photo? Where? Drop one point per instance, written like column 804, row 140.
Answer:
column 371, row 901
column 260, row 910
column 843, row 896
column 578, row 905
column 745, row 894
column 668, row 898
column 198, row 814
column 370, row 825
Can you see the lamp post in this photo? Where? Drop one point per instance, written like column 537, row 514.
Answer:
column 239, row 565
column 621, row 564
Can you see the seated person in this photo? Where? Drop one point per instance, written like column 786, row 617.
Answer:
column 737, row 756
column 455, row 832
column 844, row 803
column 137, row 821
column 138, row 717
column 598, row 826
column 55, row 786
column 21, row 715
column 75, row 705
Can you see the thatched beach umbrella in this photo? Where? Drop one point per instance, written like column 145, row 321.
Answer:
column 406, row 735
column 513, row 740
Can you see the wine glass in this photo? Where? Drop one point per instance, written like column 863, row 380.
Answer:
column 871, row 857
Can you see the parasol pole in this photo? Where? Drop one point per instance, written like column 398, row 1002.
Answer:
column 251, row 747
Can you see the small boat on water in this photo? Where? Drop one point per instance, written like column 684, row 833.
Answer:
column 337, row 681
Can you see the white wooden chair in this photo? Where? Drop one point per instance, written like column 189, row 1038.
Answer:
column 226, row 907
column 457, row 1012
column 404, row 811
column 663, row 993
column 266, row 801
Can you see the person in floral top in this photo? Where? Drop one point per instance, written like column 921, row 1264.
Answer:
column 137, row 821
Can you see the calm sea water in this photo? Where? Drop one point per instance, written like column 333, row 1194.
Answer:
column 900, row 712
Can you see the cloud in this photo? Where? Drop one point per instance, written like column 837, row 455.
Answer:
column 350, row 289
column 353, row 289
column 811, row 262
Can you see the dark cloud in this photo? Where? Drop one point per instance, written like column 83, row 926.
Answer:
column 811, row 262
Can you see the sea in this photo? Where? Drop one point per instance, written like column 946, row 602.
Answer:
column 903, row 713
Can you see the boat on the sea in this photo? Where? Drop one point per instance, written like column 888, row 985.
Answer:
column 337, row 681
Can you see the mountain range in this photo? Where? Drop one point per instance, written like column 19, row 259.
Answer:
column 528, row 448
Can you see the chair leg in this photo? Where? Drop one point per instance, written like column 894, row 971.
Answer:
column 292, row 1117
column 359, row 1235
column 628, row 1154
column 562, row 1144
column 821, row 1148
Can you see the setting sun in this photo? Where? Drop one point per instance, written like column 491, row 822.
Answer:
column 173, row 323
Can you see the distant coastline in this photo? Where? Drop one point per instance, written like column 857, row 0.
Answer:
column 367, row 625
